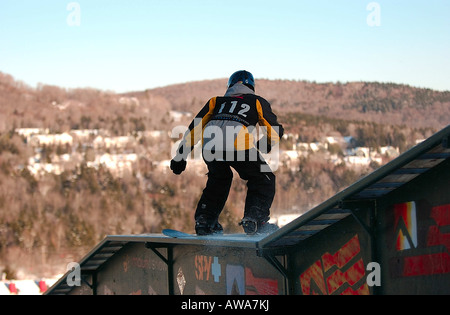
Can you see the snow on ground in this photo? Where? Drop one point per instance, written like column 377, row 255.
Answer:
column 26, row 287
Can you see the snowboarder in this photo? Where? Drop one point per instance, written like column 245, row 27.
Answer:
column 226, row 125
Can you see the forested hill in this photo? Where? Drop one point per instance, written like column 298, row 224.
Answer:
column 384, row 103
column 61, row 109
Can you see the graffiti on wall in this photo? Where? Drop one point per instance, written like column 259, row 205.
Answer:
column 207, row 267
column 239, row 279
column 422, row 239
column 406, row 224
column 341, row 272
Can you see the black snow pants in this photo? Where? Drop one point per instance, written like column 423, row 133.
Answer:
column 260, row 188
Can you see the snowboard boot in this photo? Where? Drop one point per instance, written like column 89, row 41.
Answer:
column 252, row 227
column 267, row 228
column 249, row 225
column 202, row 227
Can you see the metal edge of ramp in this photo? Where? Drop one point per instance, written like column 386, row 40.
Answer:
column 88, row 264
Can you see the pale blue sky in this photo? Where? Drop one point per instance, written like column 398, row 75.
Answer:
column 124, row 45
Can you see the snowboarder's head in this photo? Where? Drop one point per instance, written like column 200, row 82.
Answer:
column 243, row 77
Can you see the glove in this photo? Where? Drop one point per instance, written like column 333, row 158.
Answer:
column 178, row 167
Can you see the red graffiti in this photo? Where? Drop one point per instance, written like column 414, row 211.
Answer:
column 312, row 280
column 332, row 272
column 343, row 255
column 202, row 267
column 427, row 264
column 259, row 286
column 441, row 215
column 351, row 276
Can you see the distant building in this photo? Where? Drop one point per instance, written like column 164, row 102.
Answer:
column 51, row 139
column 28, row 132
column 178, row 115
column 84, row 134
column 113, row 142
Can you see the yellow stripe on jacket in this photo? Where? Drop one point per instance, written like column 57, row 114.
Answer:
column 196, row 134
column 272, row 135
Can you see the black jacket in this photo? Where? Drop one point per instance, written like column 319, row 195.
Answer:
column 230, row 121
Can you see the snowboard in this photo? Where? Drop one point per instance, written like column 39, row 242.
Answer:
column 176, row 233
column 237, row 237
